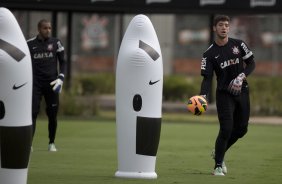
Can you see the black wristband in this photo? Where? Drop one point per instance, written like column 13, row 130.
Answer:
column 61, row 76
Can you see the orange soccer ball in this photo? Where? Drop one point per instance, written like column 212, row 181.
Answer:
column 197, row 105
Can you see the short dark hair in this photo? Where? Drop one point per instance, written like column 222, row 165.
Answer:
column 42, row 21
column 219, row 18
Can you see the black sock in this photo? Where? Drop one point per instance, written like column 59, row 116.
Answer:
column 218, row 165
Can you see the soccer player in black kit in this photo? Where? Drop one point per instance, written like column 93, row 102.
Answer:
column 232, row 61
column 48, row 64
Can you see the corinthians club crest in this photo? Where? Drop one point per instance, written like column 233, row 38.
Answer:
column 50, row 47
column 235, row 50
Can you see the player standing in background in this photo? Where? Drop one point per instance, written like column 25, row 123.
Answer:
column 232, row 62
column 48, row 64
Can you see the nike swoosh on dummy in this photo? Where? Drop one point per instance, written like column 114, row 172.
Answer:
column 17, row 87
column 154, row 82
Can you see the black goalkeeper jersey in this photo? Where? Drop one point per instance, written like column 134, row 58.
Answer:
column 45, row 55
column 227, row 62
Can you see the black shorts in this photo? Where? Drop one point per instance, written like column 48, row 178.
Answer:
column 233, row 111
column 44, row 89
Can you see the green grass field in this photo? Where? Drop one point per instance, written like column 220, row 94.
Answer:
column 88, row 154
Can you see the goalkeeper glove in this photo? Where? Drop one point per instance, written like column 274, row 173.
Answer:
column 58, row 83
column 235, row 85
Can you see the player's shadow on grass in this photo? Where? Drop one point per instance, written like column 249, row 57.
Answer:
column 198, row 172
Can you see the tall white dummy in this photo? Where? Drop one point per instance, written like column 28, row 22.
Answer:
column 15, row 101
column 139, row 85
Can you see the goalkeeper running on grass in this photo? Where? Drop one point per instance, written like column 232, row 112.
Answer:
column 232, row 62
